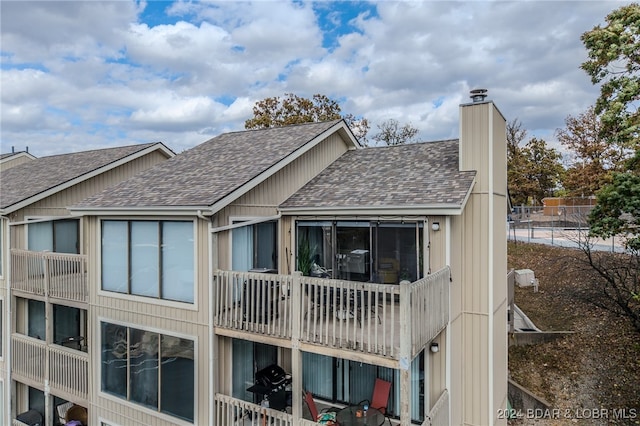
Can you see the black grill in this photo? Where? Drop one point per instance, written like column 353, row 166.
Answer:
column 271, row 384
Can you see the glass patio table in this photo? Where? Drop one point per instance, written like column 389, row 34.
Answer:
column 353, row 415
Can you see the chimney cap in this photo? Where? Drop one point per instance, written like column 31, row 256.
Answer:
column 478, row 95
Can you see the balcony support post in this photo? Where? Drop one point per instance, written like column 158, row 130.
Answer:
column 296, row 354
column 405, row 353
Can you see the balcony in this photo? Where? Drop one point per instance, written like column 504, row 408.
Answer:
column 56, row 275
column 64, row 369
column 382, row 320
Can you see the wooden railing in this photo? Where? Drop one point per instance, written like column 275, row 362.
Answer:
column 28, row 357
column 68, row 369
column 59, row 275
column 429, row 308
column 231, row 411
column 253, row 302
column 349, row 315
column 439, row 414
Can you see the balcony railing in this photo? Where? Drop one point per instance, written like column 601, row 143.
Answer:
column 58, row 275
column 349, row 315
column 439, row 414
column 28, row 357
column 68, row 369
column 231, row 411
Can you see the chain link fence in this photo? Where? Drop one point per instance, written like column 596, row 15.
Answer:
column 565, row 226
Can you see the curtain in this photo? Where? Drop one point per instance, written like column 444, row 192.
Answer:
column 417, row 387
column 177, row 261
column 145, row 258
column 177, row 373
column 317, row 374
column 242, row 369
column 40, row 236
column 242, row 248
column 115, row 255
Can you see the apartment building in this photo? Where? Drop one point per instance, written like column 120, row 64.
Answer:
column 290, row 250
column 43, row 281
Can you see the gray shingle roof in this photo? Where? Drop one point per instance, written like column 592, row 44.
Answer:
column 210, row 171
column 29, row 179
column 421, row 174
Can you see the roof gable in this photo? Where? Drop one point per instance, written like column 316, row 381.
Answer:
column 211, row 171
column 395, row 177
column 33, row 180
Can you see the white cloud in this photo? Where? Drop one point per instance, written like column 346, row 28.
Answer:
column 94, row 74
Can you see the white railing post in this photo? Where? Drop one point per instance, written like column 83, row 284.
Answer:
column 296, row 355
column 405, row 353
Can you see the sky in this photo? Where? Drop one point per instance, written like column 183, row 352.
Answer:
column 82, row 75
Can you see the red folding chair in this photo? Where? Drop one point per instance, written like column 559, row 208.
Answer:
column 380, row 398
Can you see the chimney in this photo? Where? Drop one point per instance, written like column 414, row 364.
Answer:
column 13, row 149
column 478, row 95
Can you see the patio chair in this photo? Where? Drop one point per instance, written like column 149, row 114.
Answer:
column 313, row 413
column 380, row 397
column 311, row 405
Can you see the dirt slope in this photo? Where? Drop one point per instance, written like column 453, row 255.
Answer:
column 589, row 377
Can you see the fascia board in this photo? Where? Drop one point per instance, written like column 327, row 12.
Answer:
column 249, row 185
column 68, row 184
column 141, row 211
column 429, row 210
column 17, row 155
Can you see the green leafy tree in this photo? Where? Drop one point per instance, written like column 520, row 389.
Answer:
column 614, row 63
column 392, row 133
column 543, row 170
column 293, row 109
column 516, row 161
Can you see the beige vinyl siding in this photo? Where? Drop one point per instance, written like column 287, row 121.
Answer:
column 437, row 247
column 436, row 378
column 16, row 161
column 478, row 257
column 56, row 204
column 263, row 200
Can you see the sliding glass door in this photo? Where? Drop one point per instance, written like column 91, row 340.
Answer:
column 381, row 252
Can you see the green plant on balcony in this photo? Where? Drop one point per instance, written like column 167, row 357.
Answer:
column 305, row 256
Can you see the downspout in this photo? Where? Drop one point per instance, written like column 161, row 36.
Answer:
column 448, row 335
column 8, row 318
column 211, row 335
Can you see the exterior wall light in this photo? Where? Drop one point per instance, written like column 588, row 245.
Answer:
column 435, row 226
column 435, row 348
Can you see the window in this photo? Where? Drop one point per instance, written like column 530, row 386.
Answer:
column 1, row 245
column 382, row 252
column 255, row 246
column 36, row 326
column 1, row 331
column 148, row 368
column 60, row 236
column 69, row 327
column 149, row 258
